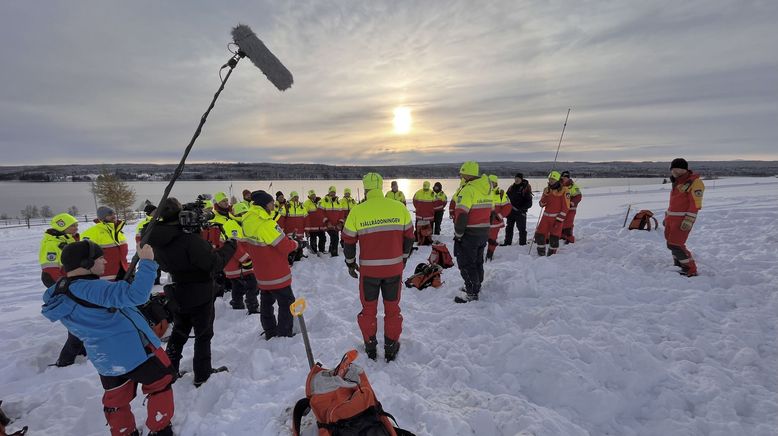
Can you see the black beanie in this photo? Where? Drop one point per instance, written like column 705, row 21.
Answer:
column 565, row 174
column 149, row 209
column 80, row 254
column 519, row 175
column 261, row 198
column 279, row 193
column 169, row 210
column 679, row 163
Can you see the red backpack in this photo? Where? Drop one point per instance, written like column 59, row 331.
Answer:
column 441, row 256
column 642, row 221
column 344, row 403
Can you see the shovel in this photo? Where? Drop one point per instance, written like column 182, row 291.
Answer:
column 297, row 308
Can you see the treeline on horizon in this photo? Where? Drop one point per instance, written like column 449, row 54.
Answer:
column 279, row 171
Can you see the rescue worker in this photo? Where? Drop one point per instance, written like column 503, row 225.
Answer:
column 246, row 198
column 471, row 229
column 294, row 216
column 439, row 206
column 109, row 235
column 452, row 204
column 122, row 346
column 278, row 212
column 556, row 201
column 395, row 193
column 347, row 203
column 384, row 231
column 685, row 203
column 239, row 270
column 424, row 203
column 267, row 244
column 149, row 211
column 239, row 210
column 520, row 196
column 575, row 200
column 501, row 208
column 333, row 218
column 63, row 231
column 314, row 223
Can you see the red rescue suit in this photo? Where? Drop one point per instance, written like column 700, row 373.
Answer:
column 502, row 207
column 685, row 202
column 575, row 200
column 556, row 201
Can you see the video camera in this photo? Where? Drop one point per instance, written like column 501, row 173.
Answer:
column 194, row 216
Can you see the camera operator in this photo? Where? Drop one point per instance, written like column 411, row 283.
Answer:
column 192, row 263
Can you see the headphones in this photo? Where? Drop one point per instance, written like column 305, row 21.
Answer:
column 89, row 262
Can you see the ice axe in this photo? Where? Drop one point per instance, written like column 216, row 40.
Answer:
column 248, row 45
column 297, row 308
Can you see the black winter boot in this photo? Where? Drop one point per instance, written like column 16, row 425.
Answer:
column 167, row 431
column 390, row 349
column 371, row 348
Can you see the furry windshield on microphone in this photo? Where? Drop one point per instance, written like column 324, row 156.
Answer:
column 254, row 49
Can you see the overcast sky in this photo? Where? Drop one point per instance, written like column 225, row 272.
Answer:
column 110, row 81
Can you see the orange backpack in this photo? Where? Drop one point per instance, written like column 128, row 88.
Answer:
column 642, row 221
column 441, row 256
column 343, row 403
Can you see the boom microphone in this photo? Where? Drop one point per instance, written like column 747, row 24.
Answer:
column 254, row 49
column 248, row 46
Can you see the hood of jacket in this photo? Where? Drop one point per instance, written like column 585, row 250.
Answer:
column 482, row 185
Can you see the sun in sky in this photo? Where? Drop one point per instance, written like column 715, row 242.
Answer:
column 402, row 120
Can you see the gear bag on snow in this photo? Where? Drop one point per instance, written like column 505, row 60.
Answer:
column 642, row 221
column 343, row 403
column 425, row 275
column 441, row 256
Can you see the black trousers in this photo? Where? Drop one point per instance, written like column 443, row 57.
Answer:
column 519, row 219
column 284, row 297
column 317, row 241
column 184, row 320
column 72, row 348
column 245, row 286
column 333, row 241
column 470, row 260
column 437, row 221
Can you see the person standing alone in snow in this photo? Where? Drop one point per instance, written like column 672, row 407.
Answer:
column 685, row 202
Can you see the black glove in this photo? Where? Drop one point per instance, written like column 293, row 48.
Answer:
column 352, row 269
column 232, row 243
column 302, row 244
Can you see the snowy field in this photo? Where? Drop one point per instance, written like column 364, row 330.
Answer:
column 604, row 338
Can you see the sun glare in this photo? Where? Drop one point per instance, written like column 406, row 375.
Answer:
column 402, row 120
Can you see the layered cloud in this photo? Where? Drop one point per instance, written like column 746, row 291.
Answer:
column 97, row 81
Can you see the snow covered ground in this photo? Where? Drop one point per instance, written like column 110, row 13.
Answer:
column 602, row 339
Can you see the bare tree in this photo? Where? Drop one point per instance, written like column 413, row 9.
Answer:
column 30, row 211
column 114, row 193
column 73, row 210
column 46, row 211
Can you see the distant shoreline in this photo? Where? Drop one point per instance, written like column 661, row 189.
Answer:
column 277, row 171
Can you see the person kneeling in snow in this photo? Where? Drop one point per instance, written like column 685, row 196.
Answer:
column 119, row 342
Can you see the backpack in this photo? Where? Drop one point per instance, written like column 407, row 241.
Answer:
column 159, row 311
column 642, row 221
column 425, row 275
column 344, row 403
column 441, row 256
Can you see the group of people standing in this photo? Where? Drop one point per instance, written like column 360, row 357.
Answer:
column 253, row 244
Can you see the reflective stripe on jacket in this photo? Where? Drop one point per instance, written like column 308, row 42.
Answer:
column 110, row 237
column 269, row 249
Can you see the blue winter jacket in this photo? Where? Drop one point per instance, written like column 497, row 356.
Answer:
column 116, row 341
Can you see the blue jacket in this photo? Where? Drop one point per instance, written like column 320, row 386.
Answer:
column 115, row 342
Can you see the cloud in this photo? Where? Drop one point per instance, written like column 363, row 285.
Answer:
column 94, row 81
